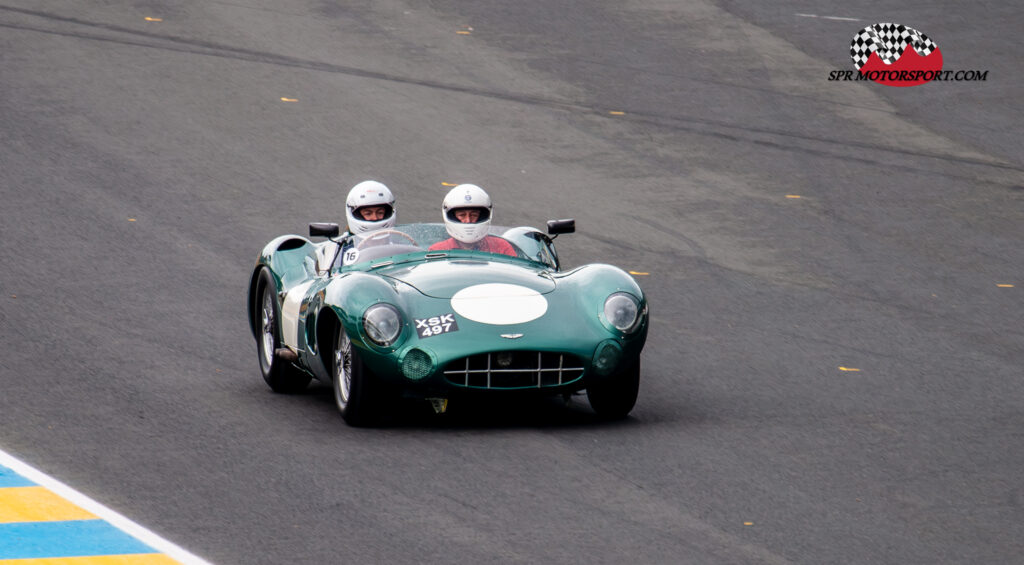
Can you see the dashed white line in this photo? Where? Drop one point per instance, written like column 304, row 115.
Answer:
column 838, row 18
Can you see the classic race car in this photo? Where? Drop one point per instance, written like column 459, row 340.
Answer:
column 378, row 315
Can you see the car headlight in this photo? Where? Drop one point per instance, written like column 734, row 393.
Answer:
column 382, row 324
column 622, row 311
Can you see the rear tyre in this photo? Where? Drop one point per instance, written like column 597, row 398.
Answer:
column 614, row 396
column 280, row 375
column 355, row 390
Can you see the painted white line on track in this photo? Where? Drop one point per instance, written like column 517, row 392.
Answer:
column 838, row 18
column 114, row 518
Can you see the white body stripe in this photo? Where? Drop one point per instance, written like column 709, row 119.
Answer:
column 290, row 314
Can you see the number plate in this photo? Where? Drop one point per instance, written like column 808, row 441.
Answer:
column 436, row 325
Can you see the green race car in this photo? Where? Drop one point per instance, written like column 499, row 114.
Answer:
column 379, row 315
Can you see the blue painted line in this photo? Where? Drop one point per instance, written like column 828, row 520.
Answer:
column 36, row 540
column 9, row 478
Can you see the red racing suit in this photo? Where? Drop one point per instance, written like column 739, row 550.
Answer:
column 489, row 244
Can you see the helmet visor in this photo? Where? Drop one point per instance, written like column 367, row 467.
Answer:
column 374, row 212
column 469, row 215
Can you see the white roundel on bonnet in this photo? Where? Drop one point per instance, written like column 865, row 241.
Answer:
column 499, row 304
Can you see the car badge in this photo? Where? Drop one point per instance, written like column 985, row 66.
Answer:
column 511, row 336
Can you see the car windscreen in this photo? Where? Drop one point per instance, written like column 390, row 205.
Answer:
column 403, row 239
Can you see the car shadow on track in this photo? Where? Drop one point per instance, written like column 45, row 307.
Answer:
column 486, row 413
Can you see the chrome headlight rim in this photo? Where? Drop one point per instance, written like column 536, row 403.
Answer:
column 382, row 324
column 622, row 312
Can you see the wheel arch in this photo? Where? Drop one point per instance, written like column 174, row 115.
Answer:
column 277, row 257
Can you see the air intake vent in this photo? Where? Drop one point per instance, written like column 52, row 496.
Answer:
column 515, row 370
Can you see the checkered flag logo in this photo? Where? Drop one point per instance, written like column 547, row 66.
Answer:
column 889, row 41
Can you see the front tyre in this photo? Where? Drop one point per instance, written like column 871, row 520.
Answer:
column 355, row 390
column 613, row 397
column 280, row 375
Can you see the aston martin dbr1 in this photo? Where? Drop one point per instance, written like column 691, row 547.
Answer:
column 380, row 315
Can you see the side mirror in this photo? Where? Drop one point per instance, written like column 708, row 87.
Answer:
column 556, row 227
column 323, row 229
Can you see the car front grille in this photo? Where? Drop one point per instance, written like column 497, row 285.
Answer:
column 514, row 369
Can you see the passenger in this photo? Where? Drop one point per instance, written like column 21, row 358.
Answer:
column 467, row 217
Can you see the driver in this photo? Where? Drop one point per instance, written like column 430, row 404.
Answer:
column 369, row 206
column 467, row 217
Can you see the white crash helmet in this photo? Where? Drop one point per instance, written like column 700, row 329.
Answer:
column 369, row 193
column 466, row 196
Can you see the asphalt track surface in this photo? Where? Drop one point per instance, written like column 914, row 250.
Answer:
column 835, row 378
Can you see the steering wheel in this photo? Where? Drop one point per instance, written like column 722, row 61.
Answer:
column 377, row 238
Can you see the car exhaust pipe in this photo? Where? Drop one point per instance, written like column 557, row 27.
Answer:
column 286, row 354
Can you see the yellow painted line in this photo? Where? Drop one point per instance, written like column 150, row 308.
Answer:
column 793, row 196
column 637, row 273
column 37, row 504
column 149, row 19
column 134, row 559
column 617, row 113
column 748, row 523
column 463, row 32
column 131, row 219
column 448, row 184
column 283, row 99
column 1005, row 285
column 849, row 369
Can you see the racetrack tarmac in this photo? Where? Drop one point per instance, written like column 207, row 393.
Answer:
column 835, row 272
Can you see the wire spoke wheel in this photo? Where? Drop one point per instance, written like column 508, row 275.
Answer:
column 342, row 371
column 267, row 330
column 280, row 375
column 356, row 390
